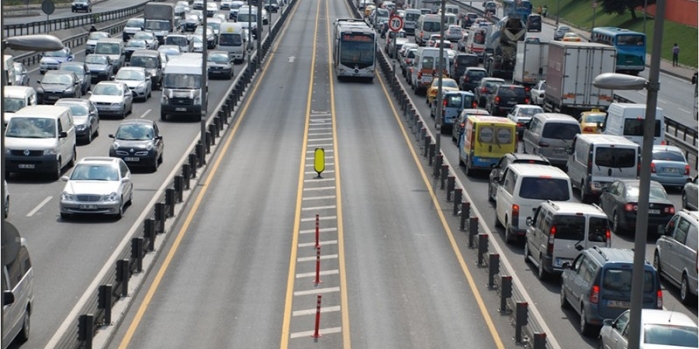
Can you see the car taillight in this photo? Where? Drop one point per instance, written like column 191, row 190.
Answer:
column 462, row 125
column 466, row 78
column 552, row 236
column 526, row 88
column 497, row 100
column 515, row 214
column 588, row 129
column 659, row 302
column 630, row 207
column 474, row 104
column 483, row 90
column 519, row 124
column 526, row 101
column 419, row 75
column 686, row 170
column 669, row 210
column 652, row 167
column 594, row 295
column 444, row 103
column 608, row 235
column 543, row 144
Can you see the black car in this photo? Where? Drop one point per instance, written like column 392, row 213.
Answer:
column 81, row 5
column 81, row 71
column 490, row 7
column 505, row 97
column 560, row 32
column 485, row 88
column 461, row 62
column 468, row 20
column 511, row 158
column 471, row 78
column 101, row 67
column 138, row 143
column 190, row 23
column 57, row 84
column 619, row 201
column 534, row 22
column 219, row 64
column 85, row 117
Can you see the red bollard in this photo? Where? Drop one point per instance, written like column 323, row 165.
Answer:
column 317, row 231
column 316, row 334
column 317, row 280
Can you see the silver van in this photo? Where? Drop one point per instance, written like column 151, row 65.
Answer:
column 16, row 98
column 40, row 139
column 560, row 230
column 549, row 134
column 17, row 296
column 597, row 160
column 676, row 253
column 114, row 49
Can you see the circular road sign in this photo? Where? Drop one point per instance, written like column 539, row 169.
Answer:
column 48, row 7
column 594, row 4
column 395, row 23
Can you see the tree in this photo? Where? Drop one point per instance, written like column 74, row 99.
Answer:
column 620, row 6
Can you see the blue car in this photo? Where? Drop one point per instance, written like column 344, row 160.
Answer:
column 669, row 166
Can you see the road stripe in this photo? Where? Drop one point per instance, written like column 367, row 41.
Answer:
column 318, row 208
column 321, row 230
column 313, row 274
column 145, row 113
column 322, row 218
column 309, row 259
column 319, row 197
column 321, row 332
column 39, row 206
column 317, row 291
column 322, row 243
column 313, row 311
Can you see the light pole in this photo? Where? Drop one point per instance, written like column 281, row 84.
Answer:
column 204, row 85
column 558, row 10
column 438, row 100
column 645, row 4
column 652, row 85
column 594, row 13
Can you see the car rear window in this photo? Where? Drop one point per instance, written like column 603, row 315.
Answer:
column 570, row 227
column 598, row 229
column 517, row 92
column 467, row 60
column 541, row 188
column 615, row 157
column 670, row 335
column 615, row 279
column 668, row 156
column 557, row 130
column 476, row 74
column 454, row 101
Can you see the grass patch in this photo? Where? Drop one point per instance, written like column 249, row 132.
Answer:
column 579, row 13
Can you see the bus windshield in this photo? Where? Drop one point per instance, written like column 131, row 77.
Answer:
column 359, row 54
column 630, row 40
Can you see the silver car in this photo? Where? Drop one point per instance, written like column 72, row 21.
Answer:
column 112, row 97
column 137, row 79
column 92, row 41
column 689, row 195
column 675, row 255
column 149, row 37
column 659, row 329
column 97, row 185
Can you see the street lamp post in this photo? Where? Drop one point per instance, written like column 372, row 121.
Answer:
column 204, row 85
column 438, row 100
column 652, row 85
column 558, row 11
column 645, row 5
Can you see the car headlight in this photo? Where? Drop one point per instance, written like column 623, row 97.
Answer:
column 50, row 152
column 116, row 104
column 149, row 146
column 66, row 196
column 115, row 145
column 197, row 100
column 113, row 197
column 164, row 99
column 80, row 127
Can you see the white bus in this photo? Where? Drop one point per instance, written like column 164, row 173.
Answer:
column 354, row 53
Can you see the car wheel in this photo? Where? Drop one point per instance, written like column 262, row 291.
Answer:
column 583, row 197
column 563, row 300
column 154, row 166
column 89, row 135
column 685, row 294
column 497, row 221
column 656, row 263
column 491, row 196
column 23, row 335
column 684, row 200
column 57, row 170
column 468, row 167
column 71, row 163
column 616, row 229
column 163, row 116
column 541, row 272
column 585, row 327
column 526, row 251
column 65, row 216
column 120, row 214
column 149, row 93
column 123, row 113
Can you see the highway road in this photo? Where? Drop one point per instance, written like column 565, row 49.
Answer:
column 388, row 277
column 104, row 6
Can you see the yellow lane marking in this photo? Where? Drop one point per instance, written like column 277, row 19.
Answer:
column 472, row 284
column 195, row 207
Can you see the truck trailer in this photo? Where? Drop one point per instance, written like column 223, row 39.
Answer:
column 531, row 61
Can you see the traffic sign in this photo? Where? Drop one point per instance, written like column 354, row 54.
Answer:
column 395, row 23
column 48, row 7
column 594, row 4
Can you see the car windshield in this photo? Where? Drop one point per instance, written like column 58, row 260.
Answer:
column 78, row 70
column 529, row 111
column 223, row 59
column 59, row 79
column 134, row 132
column 145, row 62
column 446, row 83
column 620, row 280
column 134, row 22
column 92, row 59
column 107, row 48
column 595, row 118
column 214, row 25
column 563, row 131
column 130, row 74
column 59, row 53
column 31, row 128
column 184, row 81
column 176, row 40
column 512, row 91
column 106, row 90
column 78, row 110
column 542, row 188
column 143, row 36
column 670, row 335
column 136, row 43
column 13, row 104
column 94, row 172
column 656, row 192
column 615, row 157
column 230, row 39
column 667, row 155
column 97, row 35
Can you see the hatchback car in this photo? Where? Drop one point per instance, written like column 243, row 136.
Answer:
column 85, row 117
column 100, row 66
column 138, row 143
column 620, row 202
column 676, row 253
column 92, row 40
column 132, row 26
column 52, row 60
column 211, row 40
column 133, row 45
column 505, row 97
column 560, row 32
column 112, row 97
column 138, row 80
column 219, row 64
column 82, row 72
column 534, row 22
column 659, row 329
column 56, row 85
column 538, row 92
column 97, row 185
column 592, row 121
column 453, row 33
column 471, row 78
column 461, row 62
column 485, row 89
column 180, row 40
column 447, row 85
column 190, row 23
column 669, row 166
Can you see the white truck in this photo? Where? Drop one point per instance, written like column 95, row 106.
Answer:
column 182, row 90
column 570, row 70
column 530, row 64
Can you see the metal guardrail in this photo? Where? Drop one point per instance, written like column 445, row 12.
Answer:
column 677, row 134
column 39, row 27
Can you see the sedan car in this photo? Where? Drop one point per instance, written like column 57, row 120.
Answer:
column 538, row 92
column 170, row 50
column 82, row 72
column 180, row 40
column 572, row 37
column 81, row 5
column 619, row 201
column 511, row 158
column 592, row 121
column 134, row 45
column 85, row 117
column 190, row 23
column 447, row 85
column 521, row 114
column 689, row 195
column 97, row 185
column 149, row 37
column 138, row 143
column 112, row 97
column 211, row 9
column 659, row 329
column 21, row 74
column 219, row 64
column 51, row 60
column 100, row 67
column 92, row 41
column 211, row 41
column 453, row 33
column 669, row 167
column 137, row 79
column 56, row 85
column 560, row 32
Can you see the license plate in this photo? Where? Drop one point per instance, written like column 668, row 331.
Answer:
column 26, row 165
column 671, row 170
column 52, row 97
column 558, row 151
column 653, row 211
column 512, row 102
column 131, row 159
column 180, row 109
column 88, row 207
column 618, row 304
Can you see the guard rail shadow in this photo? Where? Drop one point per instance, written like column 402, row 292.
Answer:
column 96, row 315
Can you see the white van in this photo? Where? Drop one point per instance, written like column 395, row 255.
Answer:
column 597, row 160
column 40, row 139
column 17, row 295
column 182, row 87
column 425, row 63
column 16, row 98
column 452, row 9
column 9, row 70
column 233, row 40
column 522, row 187
column 558, row 231
column 627, row 119
column 411, row 17
column 427, row 25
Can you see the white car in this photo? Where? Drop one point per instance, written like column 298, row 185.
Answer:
column 211, row 9
column 521, row 114
column 52, row 60
column 659, row 329
column 226, row 4
column 198, row 5
column 538, row 92
column 149, row 37
column 112, row 97
column 92, row 41
column 197, row 44
column 97, row 185
column 137, row 79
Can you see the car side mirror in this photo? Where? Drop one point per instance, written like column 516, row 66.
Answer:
column 8, row 298
column 607, row 322
column 65, row 178
column 569, row 150
column 38, row 81
column 112, row 77
column 662, row 230
column 529, row 221
column 567, row 265
column 63, row 134
column 111, row 136
column 579, row 247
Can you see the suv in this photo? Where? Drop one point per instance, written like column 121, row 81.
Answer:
column 559, row 230
column 81, row 5
column 510, row 158
column 597, row 285
column 505, row 97
column 133, row 25
column 460, row 63
column 486, row 88
column 471, row 78
column 675, row 255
